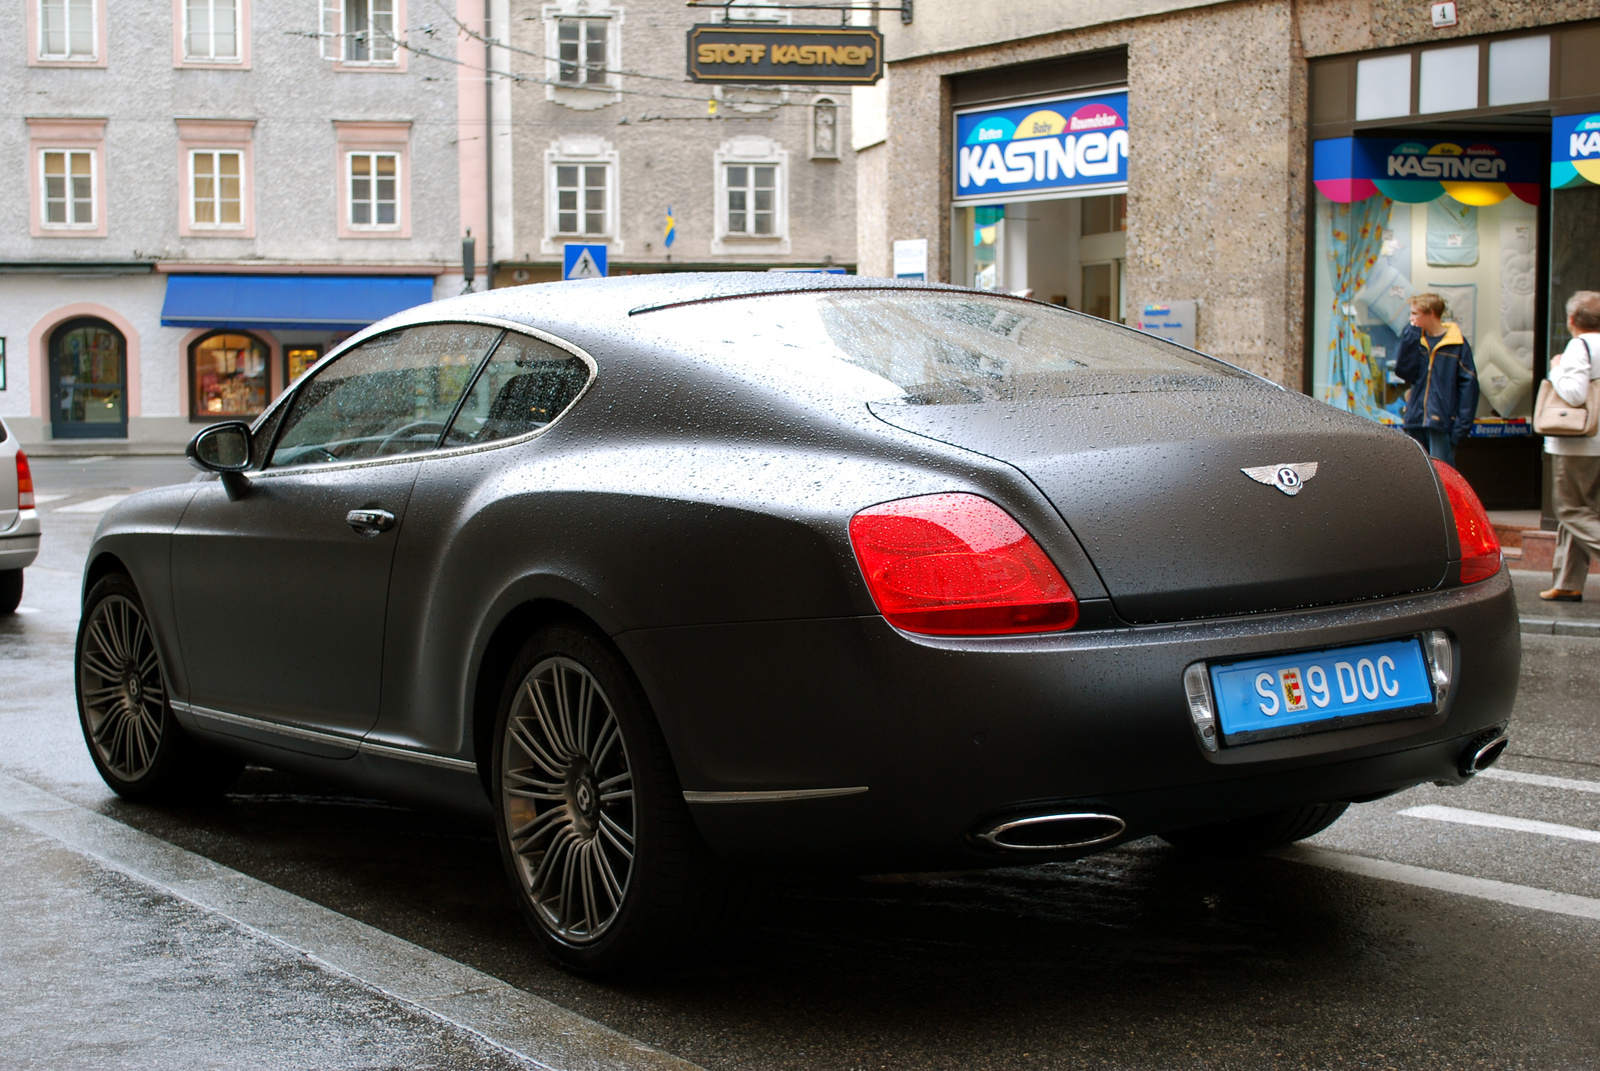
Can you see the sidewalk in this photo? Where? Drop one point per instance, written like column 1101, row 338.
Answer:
column 1558, row 618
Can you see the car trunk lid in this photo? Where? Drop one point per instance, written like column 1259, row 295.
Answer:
column 1151, row 485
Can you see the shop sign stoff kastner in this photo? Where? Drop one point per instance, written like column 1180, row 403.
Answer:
column 1061, row 143
column 791, row 55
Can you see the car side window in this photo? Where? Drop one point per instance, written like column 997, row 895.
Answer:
column 526, row 384
column 393, row 394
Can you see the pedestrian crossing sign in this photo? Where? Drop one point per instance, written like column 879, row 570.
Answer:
column 580, row 261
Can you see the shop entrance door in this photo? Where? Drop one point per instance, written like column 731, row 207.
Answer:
column 88, row 381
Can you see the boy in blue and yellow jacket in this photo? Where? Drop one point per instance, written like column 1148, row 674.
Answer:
column 1436, row 360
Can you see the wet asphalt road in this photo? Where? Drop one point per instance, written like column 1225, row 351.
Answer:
column 1131, row 959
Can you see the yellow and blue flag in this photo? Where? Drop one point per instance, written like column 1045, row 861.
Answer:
column 671, row 234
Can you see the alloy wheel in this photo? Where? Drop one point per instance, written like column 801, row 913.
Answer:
column 567, row 800
column 124, row 698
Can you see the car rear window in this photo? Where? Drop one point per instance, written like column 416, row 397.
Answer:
column 943, row 348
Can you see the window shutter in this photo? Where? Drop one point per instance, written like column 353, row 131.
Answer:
column 332, row 29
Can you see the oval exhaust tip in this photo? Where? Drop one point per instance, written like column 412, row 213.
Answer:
column 1483, row 753
column 1054, row 832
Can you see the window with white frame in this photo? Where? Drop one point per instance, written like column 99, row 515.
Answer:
column 211, row 31
column 582, row 198
column 752, row 191
column 374, row 190
column 582, row 51
column 67, row 29
column 752, row 196
column 583, row 41
column 68, row 187
column 359, row 31
column 216, row 191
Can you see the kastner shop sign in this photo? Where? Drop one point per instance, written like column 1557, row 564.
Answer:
column 1041, row 148
column 795, row 55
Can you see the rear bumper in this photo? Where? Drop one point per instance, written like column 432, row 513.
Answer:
column 948, row 734
column 19, row 544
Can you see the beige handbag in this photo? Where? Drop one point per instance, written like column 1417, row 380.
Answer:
column 1553, row 416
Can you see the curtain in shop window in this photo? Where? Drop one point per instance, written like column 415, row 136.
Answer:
column 1354, row 378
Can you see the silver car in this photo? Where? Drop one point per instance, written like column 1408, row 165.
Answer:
column 19, row 522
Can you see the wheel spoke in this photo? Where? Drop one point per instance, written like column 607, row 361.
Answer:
column 616, row 834
column 587, row 867
column 608, row 877
column 609, row 735
column 524, row 737
column 535, row 829
column 547, row 726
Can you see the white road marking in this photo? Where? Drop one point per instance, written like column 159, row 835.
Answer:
column 39, row 500
column 1571, row 784
column 538, row 1030
column 93, row 460
column 94, row 505
column 1501, row 892
column 1502, row 821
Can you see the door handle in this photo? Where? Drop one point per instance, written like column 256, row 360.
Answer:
column 369, row 522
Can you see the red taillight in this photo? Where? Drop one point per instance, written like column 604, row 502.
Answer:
column 24, row 482
column 1480, row 548
column 958, row 565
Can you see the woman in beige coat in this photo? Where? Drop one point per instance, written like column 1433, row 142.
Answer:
column 1576, row 457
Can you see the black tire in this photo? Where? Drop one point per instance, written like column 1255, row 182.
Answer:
column 1243, row 836
column 636, row 886
column 10, row 590
column 135, row 741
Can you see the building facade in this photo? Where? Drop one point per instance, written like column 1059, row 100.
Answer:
column 600, row 138
column 210, row 193
column 1269, row 178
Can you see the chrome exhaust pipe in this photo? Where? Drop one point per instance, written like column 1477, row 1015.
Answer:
column 1053, row 832
column 1483, row 752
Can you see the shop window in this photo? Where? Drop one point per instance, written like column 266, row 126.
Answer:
column 88, row 381
column 297, row 359
column 68, row 188
column 1379, row 242
column 67, row 30
column 228, row 376
column 211, row 31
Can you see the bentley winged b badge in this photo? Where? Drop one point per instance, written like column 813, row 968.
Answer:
column 1288, row 478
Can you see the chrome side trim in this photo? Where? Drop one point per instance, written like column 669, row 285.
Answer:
column 294, row 732
column 425, row 758
column 780, row 796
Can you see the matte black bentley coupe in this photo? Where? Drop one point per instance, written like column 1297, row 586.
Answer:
column 684, row 571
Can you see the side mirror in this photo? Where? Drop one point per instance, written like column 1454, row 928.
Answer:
column 222, row 447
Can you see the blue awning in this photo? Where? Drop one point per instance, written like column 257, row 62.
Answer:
column 290, row 302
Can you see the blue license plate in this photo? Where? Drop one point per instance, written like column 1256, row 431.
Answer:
column 1287, row 695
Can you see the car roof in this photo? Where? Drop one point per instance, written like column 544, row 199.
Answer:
column 589, row 302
